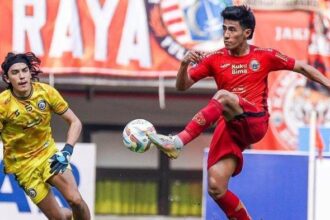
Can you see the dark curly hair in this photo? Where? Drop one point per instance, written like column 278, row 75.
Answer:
column 29, row 58
column 243, row 14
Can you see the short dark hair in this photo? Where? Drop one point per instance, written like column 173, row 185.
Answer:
column 243, row 14
column 29, row 58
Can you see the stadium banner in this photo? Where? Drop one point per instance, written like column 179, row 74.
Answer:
column 137, row 38
column 291, row 96
column 15, row 204
column 274, row 185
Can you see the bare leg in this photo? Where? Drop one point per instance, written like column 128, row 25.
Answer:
column 52, row 210
column 219, row 176
column 66, row 184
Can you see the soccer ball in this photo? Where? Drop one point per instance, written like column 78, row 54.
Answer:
column 134, row 135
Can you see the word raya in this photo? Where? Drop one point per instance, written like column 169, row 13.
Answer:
column 82, row 27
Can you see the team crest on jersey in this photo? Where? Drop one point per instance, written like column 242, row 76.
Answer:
column 31, row 192
column 180, row 25
column 291, row 103
column 42, row 105
column 254, row 65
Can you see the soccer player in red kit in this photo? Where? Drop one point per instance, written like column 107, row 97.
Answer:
column 239, row 107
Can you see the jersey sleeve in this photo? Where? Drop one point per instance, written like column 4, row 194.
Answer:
column 2, row 118
column 199, row 71
column 56, row 101
column 279, row 61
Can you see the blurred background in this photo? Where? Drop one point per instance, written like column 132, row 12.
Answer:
column 116, row 60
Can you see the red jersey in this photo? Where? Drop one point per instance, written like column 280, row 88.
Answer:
column 245, row 75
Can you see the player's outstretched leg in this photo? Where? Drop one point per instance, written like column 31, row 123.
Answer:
column 201, row 121
column 223, row 103
column 66, row 184
column 170, row 145
column 52, row 210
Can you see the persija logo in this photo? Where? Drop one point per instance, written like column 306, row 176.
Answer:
column 181, row 25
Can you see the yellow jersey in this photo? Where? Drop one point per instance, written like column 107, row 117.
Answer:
column 25, row 124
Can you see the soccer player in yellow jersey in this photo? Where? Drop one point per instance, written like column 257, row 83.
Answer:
column 29, row 148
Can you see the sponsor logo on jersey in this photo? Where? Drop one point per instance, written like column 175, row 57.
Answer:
column 31, row 192
column 239, row 69
column 225, row 65
column 17, row 113
column 254, row 65
column 263, row 49
column 238, row 90
column 46, row 144
column 42, row 105
column 181, row 25
column 33, row 123
column 281, row 56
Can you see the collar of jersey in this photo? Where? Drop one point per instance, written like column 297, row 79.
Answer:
column 26, row 97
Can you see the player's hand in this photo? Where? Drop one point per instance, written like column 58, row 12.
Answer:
column 60, row 160
column 193, row 56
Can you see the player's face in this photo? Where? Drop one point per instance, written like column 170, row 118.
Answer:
column 19, row 76
column 234, row 35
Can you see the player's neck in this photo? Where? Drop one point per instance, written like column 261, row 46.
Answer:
column 241, row 50
column 22, row 95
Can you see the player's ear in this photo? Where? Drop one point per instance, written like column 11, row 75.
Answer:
column 247, row 32
column 5, row 78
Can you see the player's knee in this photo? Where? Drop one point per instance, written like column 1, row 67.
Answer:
column 55, row 213
column 222, row 96
column 216, row 188
column 67, row 213
column 57, row 216
column 75, row 200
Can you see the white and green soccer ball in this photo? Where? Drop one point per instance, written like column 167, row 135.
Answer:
column 135, row 135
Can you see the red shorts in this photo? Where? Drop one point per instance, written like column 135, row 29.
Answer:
column 234, row 136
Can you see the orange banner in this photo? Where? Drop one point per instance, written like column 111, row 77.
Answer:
column 132, row 38
column 303, row 35
column 85, row 36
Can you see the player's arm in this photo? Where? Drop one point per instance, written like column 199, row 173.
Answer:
column 74, row 126
column 311, row 73
column 2, row 119
column 183, row 79
column 60, row 160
